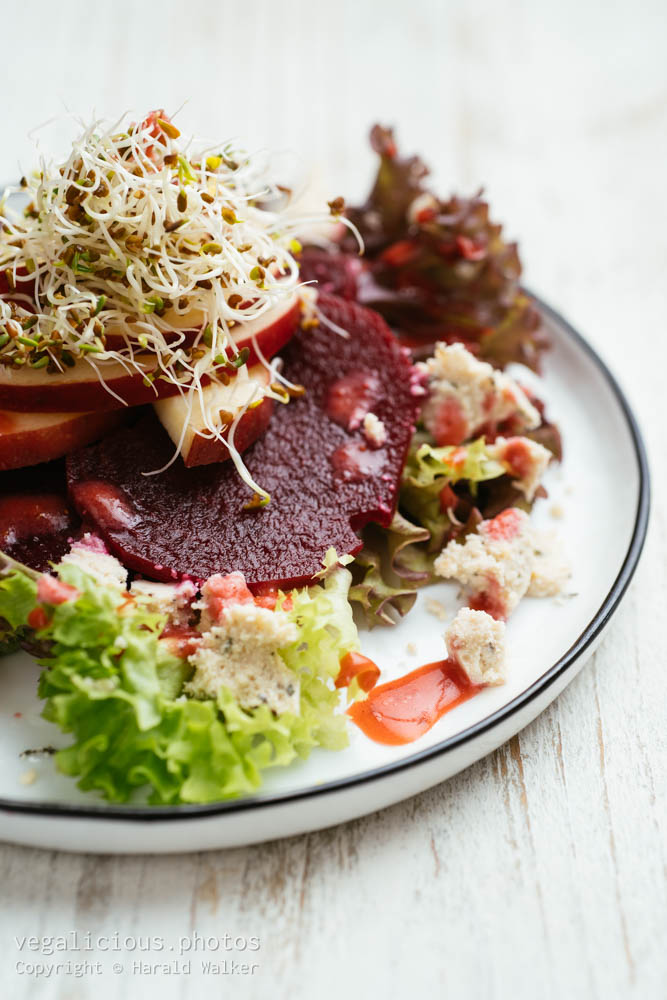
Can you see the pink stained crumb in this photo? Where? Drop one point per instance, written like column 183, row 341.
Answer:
column 50, row 590
column 505, row 526
column 490, row 599
column 221, row 592
column 92, row 543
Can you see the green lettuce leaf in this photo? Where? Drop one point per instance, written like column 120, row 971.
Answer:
column 111, row 683
column 429, row 470
column 17, row 599
column 426, row 464
column 18, row 592
column 397, row 560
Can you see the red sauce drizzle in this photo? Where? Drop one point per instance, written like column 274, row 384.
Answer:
column 490, row 600
column 183, row 640
column 504, row 526
column 357, row 665
column 403, row 710
column 451, row 426
column 355, row 461
column 351, row 397
column 517, row 455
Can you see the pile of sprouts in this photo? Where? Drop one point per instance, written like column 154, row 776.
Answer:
column 145, row 251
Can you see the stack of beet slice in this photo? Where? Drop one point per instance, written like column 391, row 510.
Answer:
column 326, row 476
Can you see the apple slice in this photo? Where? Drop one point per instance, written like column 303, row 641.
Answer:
column 80, row 389
column 270, row 331
column 217, row 400
column 24, row 286
column 31, row 438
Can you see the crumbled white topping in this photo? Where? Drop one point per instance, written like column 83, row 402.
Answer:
column 90, row 555
column 551, row 570
column 477, row 642
column 436, row 609
column 534, row 461
column 460, row 384
column 493, row 568
column 374, row 430
column 171, row 599
column 496, row 570
column 501, row 563
column 241, row 654
column 217, row 593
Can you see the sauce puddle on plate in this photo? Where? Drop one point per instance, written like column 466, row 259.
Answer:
column 403, row 710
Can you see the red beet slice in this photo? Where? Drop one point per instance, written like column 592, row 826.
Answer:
column 36, row 519
column 325, row 479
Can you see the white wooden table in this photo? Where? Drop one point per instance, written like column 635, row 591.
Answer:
column 539, row 872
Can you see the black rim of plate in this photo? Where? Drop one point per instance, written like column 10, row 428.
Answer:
column 133, row 814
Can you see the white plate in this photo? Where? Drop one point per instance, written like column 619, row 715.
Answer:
column 603, row 490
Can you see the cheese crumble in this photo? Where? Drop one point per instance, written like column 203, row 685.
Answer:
column 524, row 459
column 476, row 641
column 374, row 430
column 91, row 555
column 502, row 562
column 171, row 599
column 242, row 654
column 466, row 395
column 551, row 570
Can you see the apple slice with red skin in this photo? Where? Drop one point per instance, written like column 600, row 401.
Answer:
column 80, row 388
column 24, row 285
column 270, row 331
column 31, row 438
column 197, row 449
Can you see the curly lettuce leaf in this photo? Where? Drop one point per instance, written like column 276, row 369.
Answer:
column 440, row 269
column 18, row 592
column 10, row 641
column 390, row 568
column 426, row 464
column 430, row 472
column 497, row 495
column 17, row 598
column 397, row 560
column 115, row 686
column 326, row 633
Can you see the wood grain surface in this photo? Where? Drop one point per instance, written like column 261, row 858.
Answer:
column 540, row 871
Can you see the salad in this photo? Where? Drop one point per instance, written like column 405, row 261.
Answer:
column 228, row 447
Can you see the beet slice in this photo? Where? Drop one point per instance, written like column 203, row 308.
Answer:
column 36, row 518
column 325, row 480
